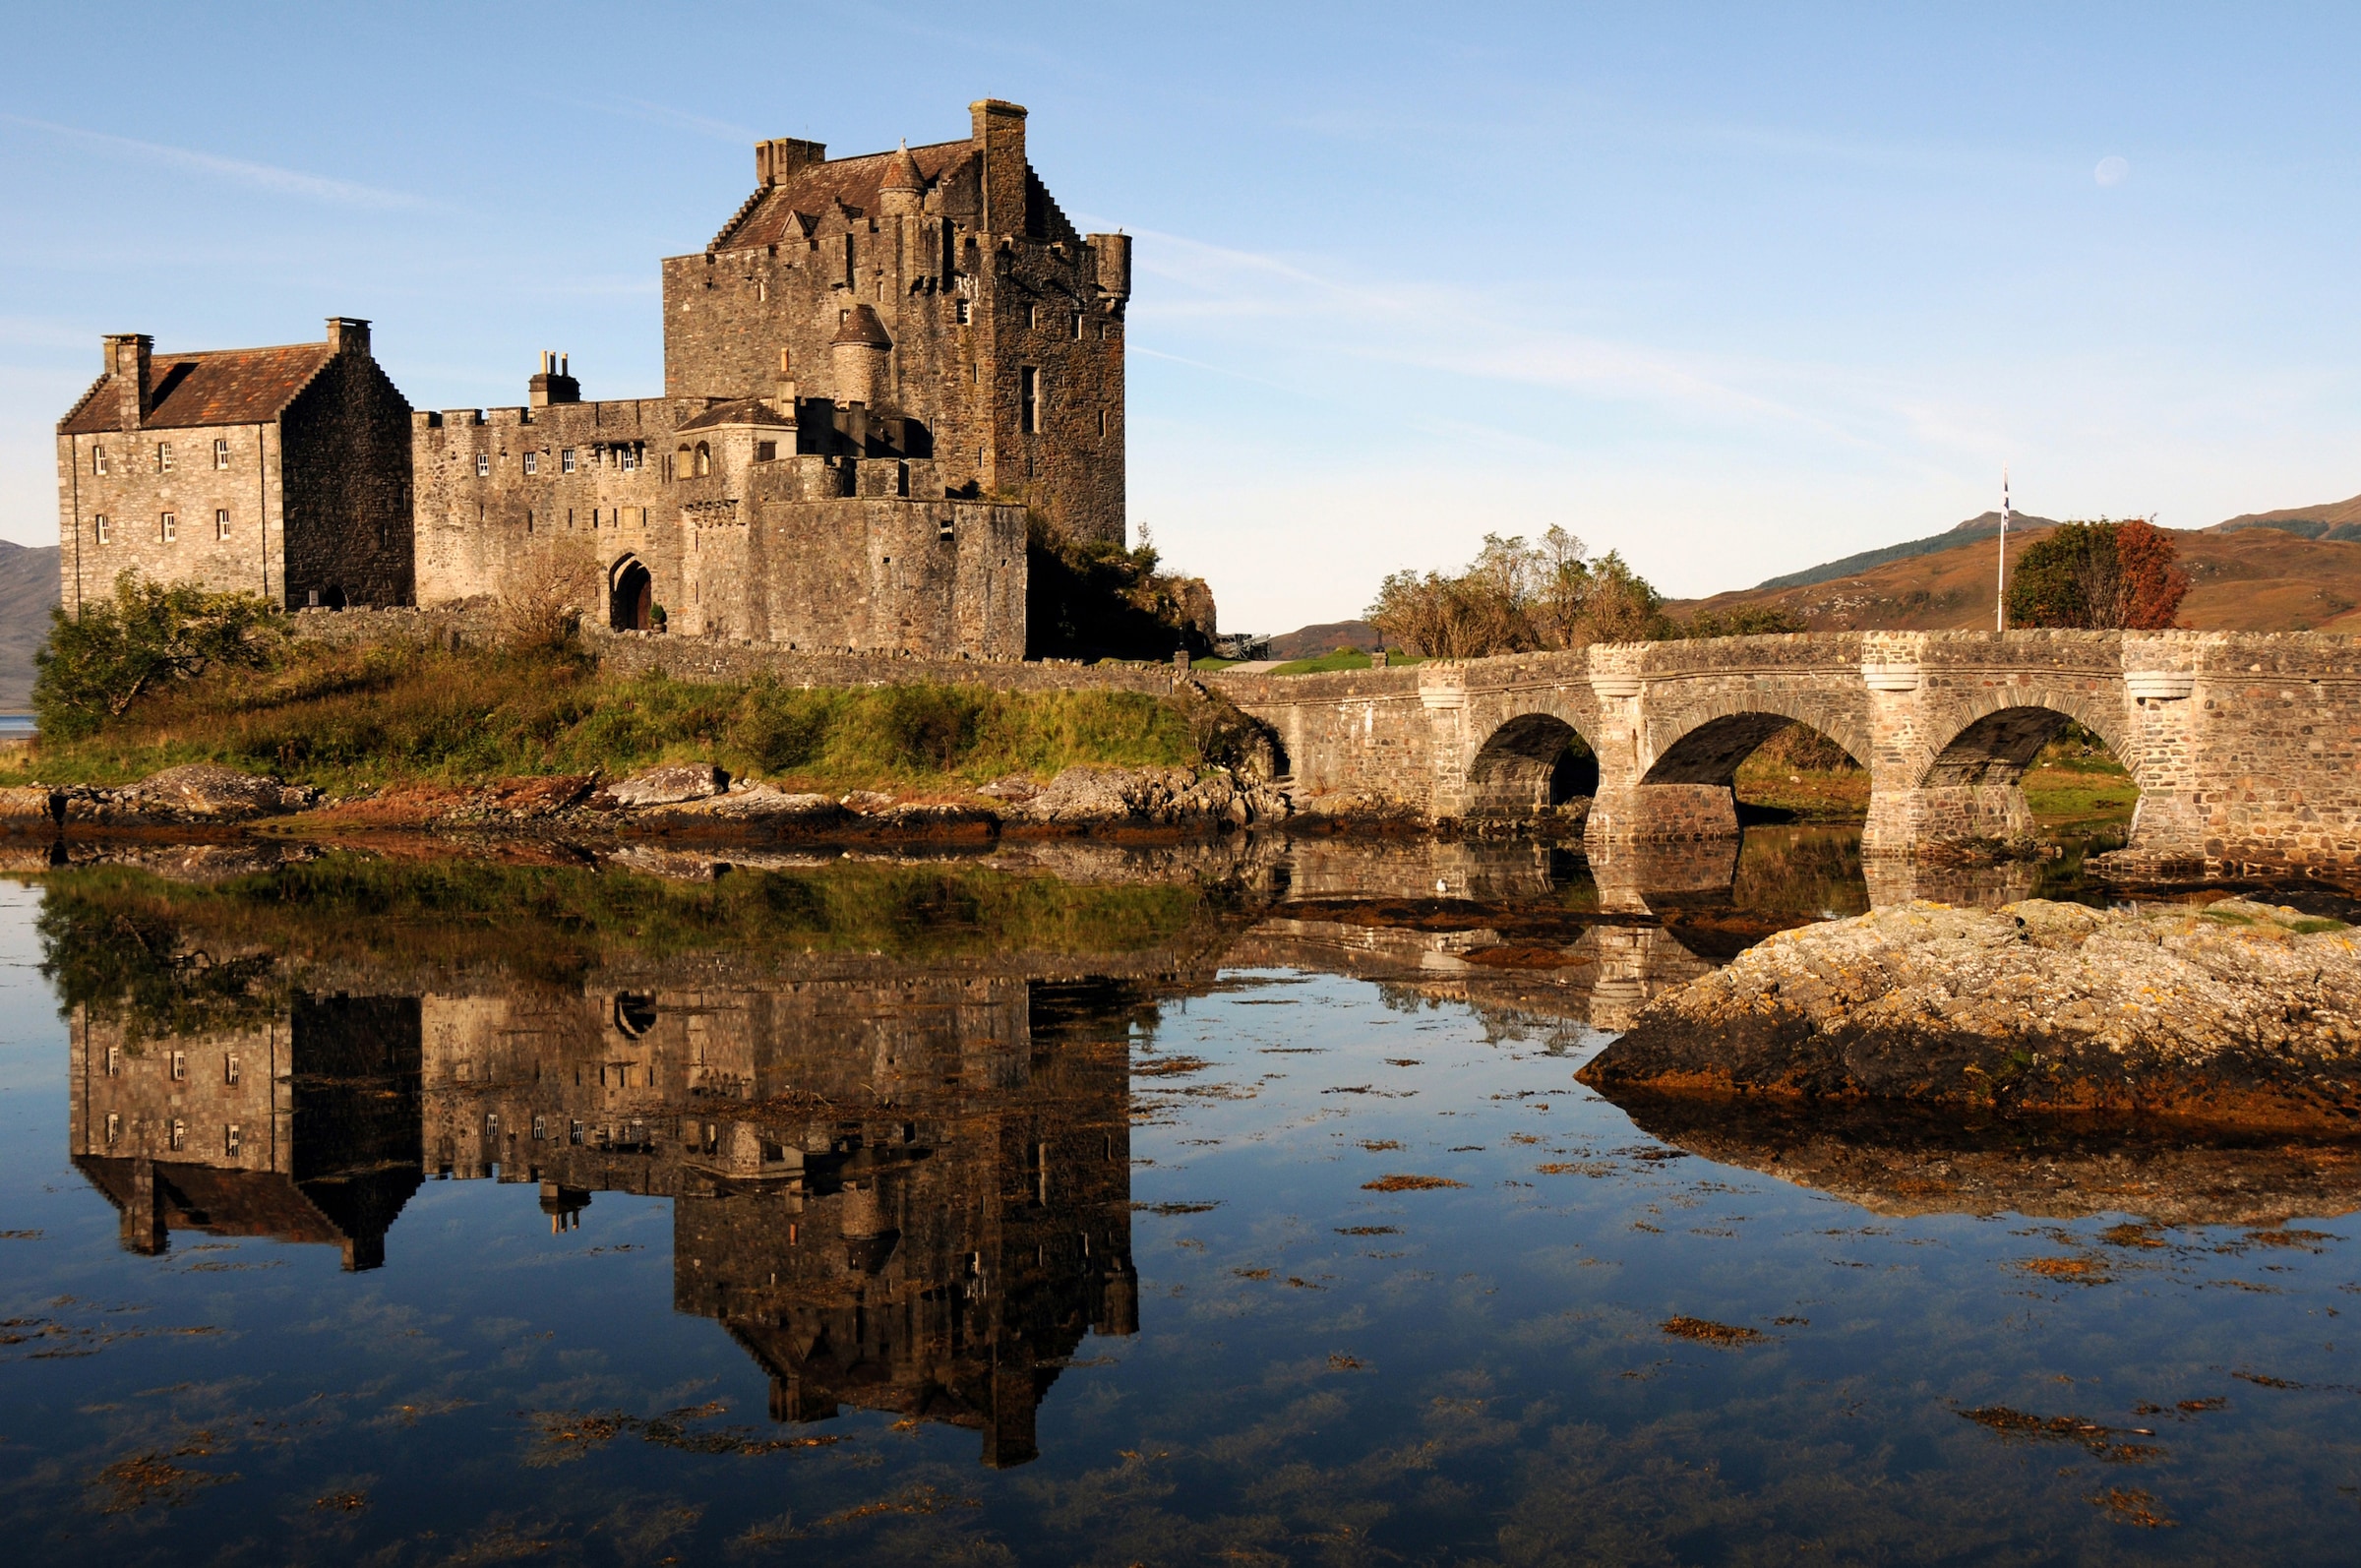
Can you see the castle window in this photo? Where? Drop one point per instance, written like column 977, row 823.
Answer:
column 705, row 459
column 1102, row 423
column 962, row 310
column 1028, row 398
column 222, row 452
column 1077, row 327
column 231, row 1140
column 163, row 456
column 573, row 1133
column 180, row 1066
column 114, row 1129
column 566, row 461
column 483, row 465
column 766, row 451
column 629, row 459
column 180, row 1135
column 114, row 1061
column 682, row 468
column 167, row 527
column 221, row 523
column 541, row 1128
column 1032, row 315
column 229, row 1067
column 98, row 454
column 532, row 463
column 102, row 527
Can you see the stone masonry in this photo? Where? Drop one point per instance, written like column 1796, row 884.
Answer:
column 2246, row 746
column 873, row 373
column 283, row 472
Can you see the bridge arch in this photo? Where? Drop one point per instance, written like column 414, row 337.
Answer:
column 1993, row 734
column 1718, row 736
column 1530, row 763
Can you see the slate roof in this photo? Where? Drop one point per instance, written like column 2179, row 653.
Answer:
column 737, row 411
column 860, row 326
column 219, row 386
column 818, row 189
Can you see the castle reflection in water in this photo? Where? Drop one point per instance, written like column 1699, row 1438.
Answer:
column 936, row 1252
column 900, row 1182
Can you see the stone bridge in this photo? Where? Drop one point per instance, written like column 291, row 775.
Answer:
column 2246, row 746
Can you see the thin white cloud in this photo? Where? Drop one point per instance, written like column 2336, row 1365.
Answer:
column 258, row 176
column 663, row 114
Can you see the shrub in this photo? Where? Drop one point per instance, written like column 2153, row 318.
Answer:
column 2098, row 575
column 97, row 664
column 1516, row 597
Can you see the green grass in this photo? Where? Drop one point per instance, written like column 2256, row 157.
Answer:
column 1341, row 659
column 352, row 718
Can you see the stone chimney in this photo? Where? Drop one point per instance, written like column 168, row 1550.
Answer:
column 1113, row 252
column 780, row 159
column 783, row 392
column 349, row 334
column 999, row 135
column 552, row 385
column 128, row 357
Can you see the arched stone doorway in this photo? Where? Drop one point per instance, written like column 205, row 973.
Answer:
column 1529, row 765
column 631, row 601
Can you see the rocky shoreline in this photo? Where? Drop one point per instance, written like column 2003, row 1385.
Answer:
column 2235, row 1013
column 674, row 801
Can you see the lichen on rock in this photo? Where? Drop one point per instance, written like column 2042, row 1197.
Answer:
column 2236, row 1012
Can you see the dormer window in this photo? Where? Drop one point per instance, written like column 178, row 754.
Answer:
column 221, row 452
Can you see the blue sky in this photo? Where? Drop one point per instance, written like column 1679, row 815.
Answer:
column 1730, row 289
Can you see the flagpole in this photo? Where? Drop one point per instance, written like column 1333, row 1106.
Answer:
column 2000, row 610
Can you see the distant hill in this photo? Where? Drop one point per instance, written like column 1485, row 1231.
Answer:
column 1306, row 642
column 2252, row 573
column 27, row 588
column 1978, row 527
column 2336, row 521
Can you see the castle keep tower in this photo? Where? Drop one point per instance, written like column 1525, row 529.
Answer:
column 938, row 286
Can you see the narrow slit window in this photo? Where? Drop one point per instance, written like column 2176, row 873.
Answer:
column 222, row 452
column 1077, row 327
column 1028, row 398
column 1102, row 423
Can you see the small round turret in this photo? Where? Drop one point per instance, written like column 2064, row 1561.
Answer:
column 904, row 188
column 857, row 356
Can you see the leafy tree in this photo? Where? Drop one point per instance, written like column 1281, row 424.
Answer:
column 1094, row 599
column 2099, row 576
column 1517, row 597
column 97, row 664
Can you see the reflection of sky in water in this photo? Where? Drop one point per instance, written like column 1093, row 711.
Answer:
column 1323, row 1371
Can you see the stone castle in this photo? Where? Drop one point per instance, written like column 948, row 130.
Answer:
column 871, row 375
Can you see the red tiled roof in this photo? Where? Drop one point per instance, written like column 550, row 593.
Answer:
column 220, row 387
column 816, row 188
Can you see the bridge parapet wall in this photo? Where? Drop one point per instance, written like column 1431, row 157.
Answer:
column 2246, row 746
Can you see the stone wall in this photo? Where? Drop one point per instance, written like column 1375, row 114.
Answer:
column 2246, row 746
column 348, row 530
column 137, row 492
column 978, row 280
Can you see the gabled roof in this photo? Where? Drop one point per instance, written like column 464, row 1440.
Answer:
column 821, row 187
column 737, row 411
column 219, row 387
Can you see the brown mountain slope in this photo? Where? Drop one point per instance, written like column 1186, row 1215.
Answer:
column 2319, row 518
column 2245, row 579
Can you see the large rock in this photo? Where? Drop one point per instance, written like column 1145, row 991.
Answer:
column 209, row 792
column 2235, row 1013
column 668, row 785
column 1097, row 797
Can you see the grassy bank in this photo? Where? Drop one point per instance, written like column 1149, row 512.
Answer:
column 346, row 719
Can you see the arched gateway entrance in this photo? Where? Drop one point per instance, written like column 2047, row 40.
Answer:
column 632, row 600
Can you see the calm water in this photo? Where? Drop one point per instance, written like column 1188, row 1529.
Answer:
column 1227, row 1205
